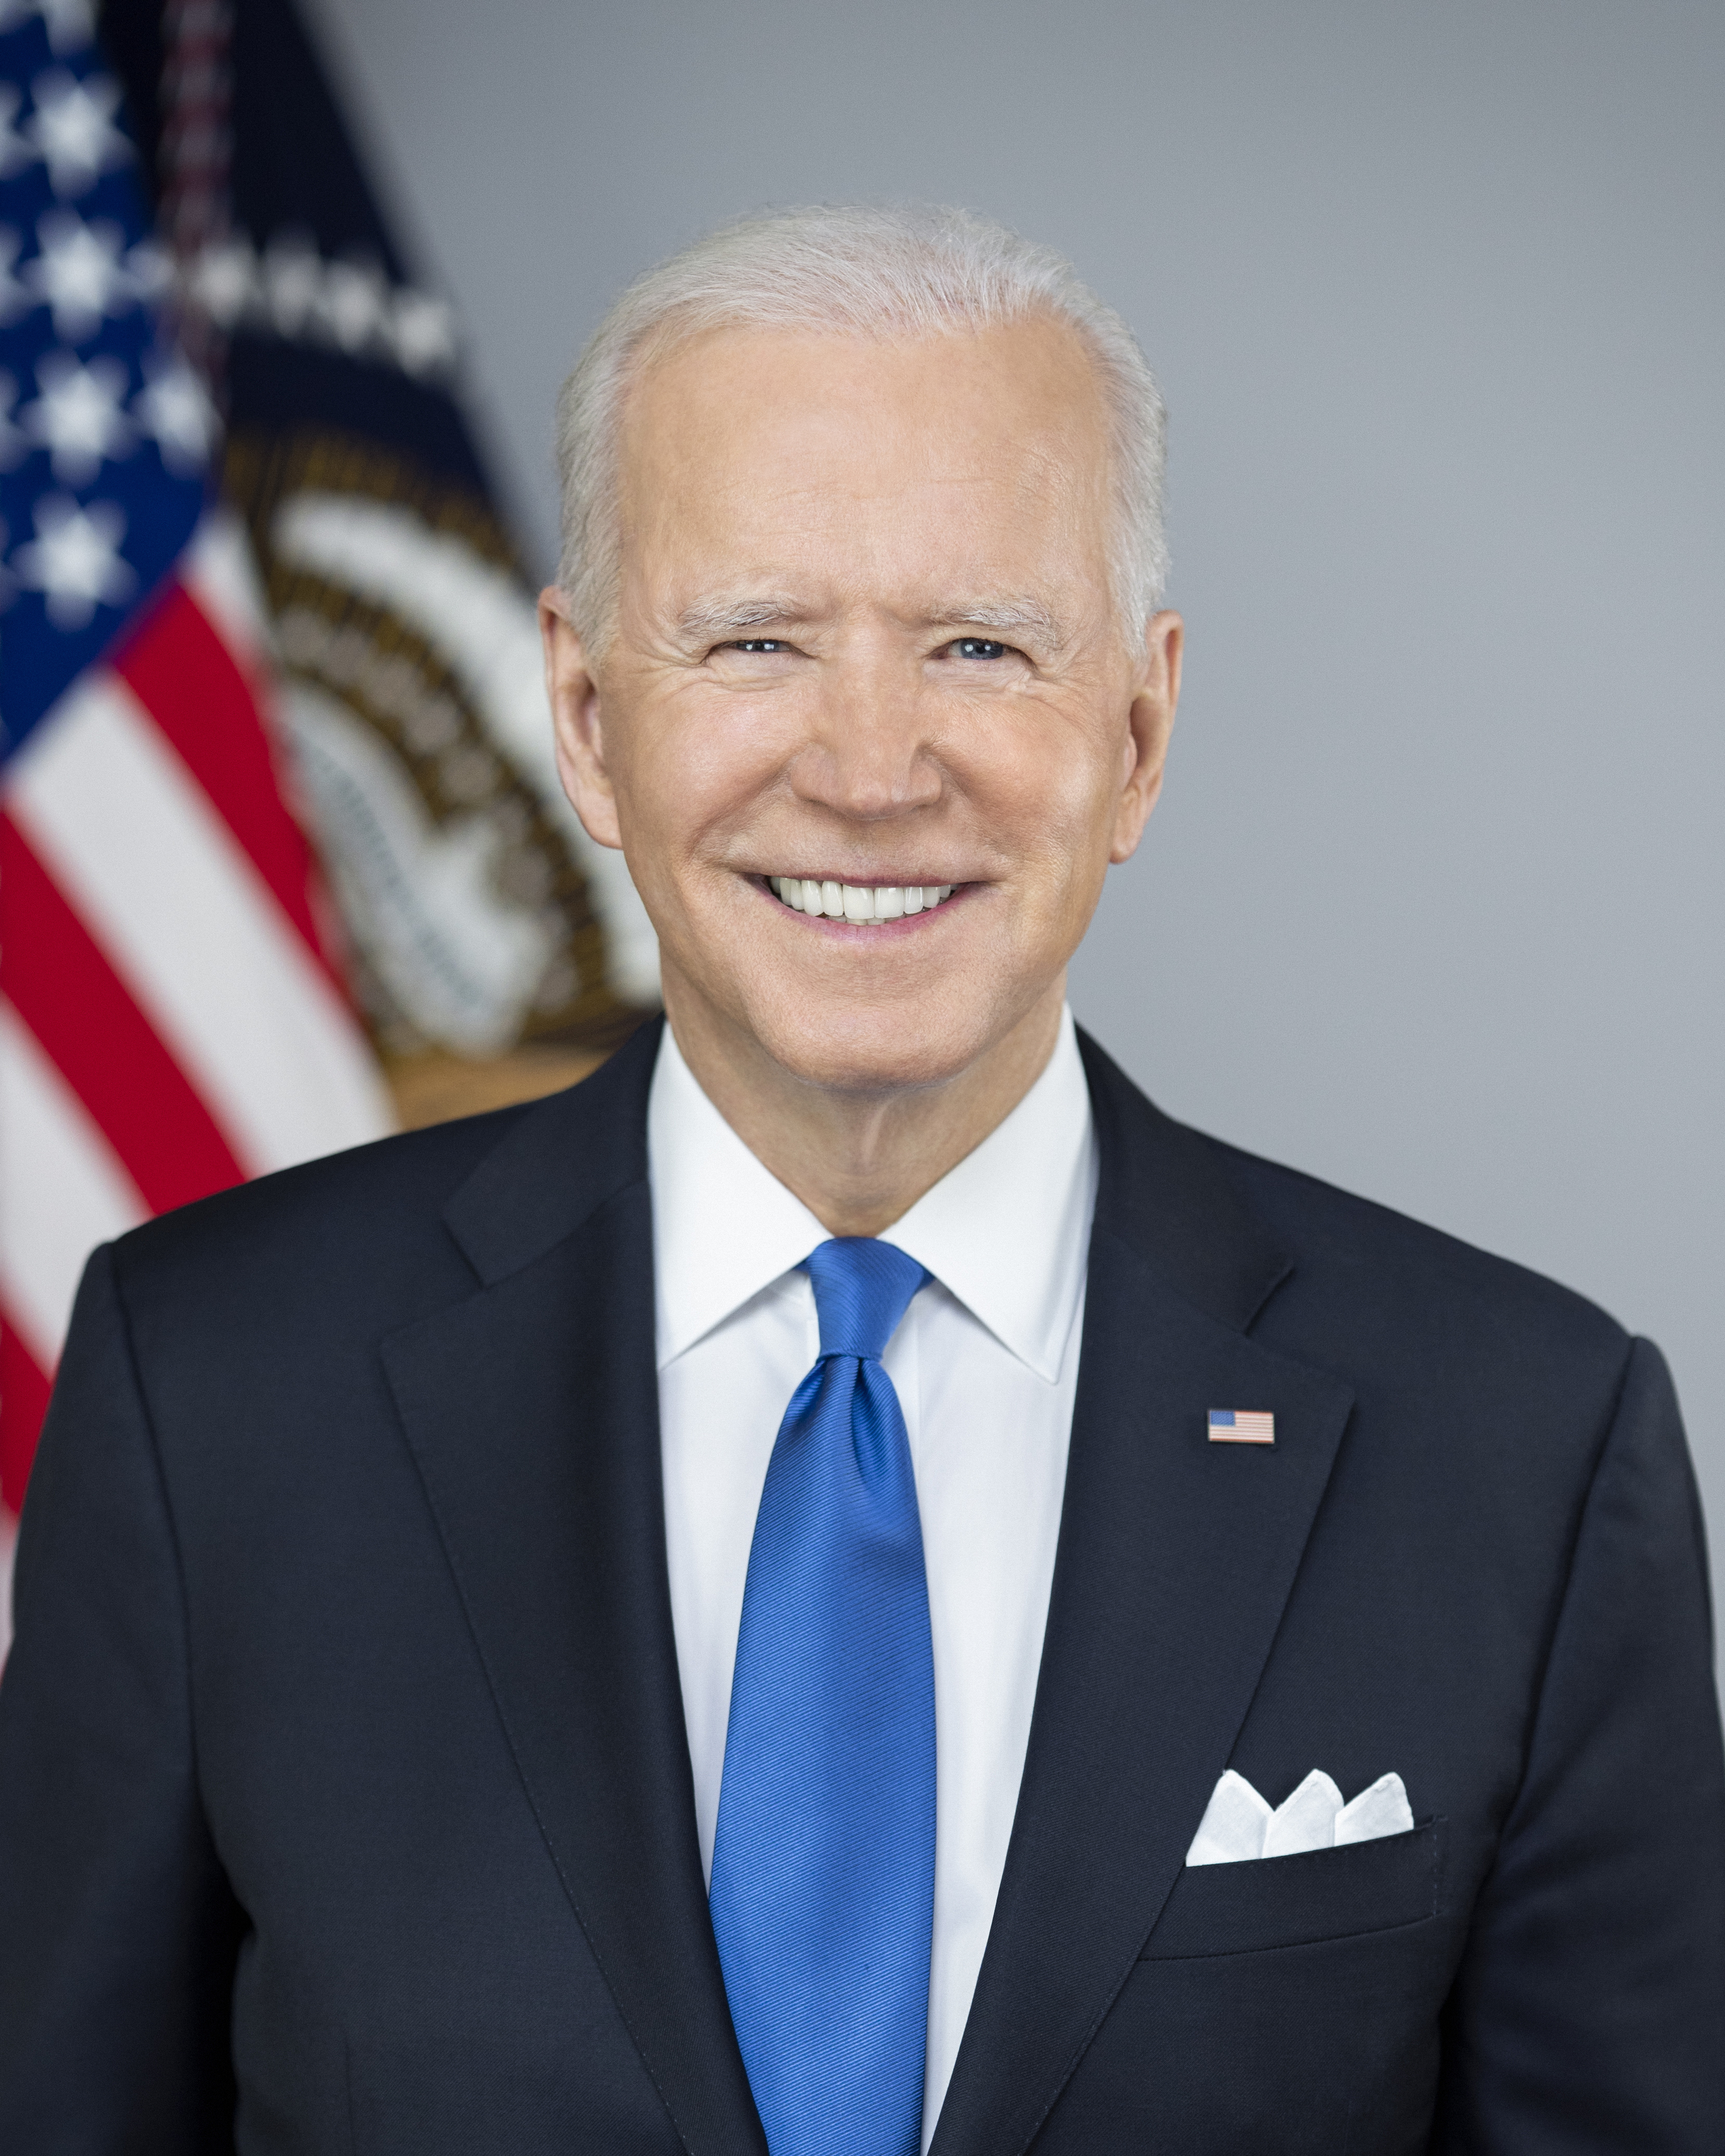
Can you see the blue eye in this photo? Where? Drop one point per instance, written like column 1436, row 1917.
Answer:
column 979, row 647
column 760, row 644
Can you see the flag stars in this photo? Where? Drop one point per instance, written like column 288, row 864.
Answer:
column 78, row 418
column 425, row 333
column 79, row 273
column 74, row 559
column 74, row 129
column 174, row 410
column 293, row 283
column 354, row 298
column 71, row 23
column 223, row 281
column 291, row 291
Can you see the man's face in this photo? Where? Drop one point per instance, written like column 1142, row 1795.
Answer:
column 864, row 637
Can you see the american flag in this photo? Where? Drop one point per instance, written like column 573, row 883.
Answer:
column 170, row 1018
column 1241, row 1426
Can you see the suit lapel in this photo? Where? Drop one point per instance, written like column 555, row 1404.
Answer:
column 532, row 1410
column 1176, row 1556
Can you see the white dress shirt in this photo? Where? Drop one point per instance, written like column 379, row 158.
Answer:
column 985, row 1362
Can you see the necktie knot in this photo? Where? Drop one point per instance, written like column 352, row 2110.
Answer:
column 862, row 1288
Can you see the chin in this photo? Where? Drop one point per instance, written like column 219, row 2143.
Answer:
column 886, row 1049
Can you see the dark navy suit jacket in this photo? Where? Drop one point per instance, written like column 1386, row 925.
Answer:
column 344, row 1803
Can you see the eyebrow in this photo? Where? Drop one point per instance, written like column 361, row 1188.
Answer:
column 1018, row 616
column 712, row 618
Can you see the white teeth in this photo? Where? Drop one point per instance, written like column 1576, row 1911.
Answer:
column 859, row 903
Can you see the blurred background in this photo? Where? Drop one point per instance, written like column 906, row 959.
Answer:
column 1432, row 905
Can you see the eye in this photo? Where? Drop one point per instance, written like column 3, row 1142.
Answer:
column 979, row 647
column 759, row 643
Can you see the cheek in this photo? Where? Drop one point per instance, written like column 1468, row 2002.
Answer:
column 1047, row 784
column 691, row 762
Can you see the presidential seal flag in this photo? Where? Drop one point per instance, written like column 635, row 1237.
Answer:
column 171, row 1017
column 497, row 949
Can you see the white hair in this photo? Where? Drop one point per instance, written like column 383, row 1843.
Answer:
column 862, row 271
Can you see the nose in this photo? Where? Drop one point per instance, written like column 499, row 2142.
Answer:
column 868, row 756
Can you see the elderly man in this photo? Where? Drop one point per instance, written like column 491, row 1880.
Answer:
column 846, row 1584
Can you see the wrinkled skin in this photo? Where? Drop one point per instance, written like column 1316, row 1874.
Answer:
column 864, row 632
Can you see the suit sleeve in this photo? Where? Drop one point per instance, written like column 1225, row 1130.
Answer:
column 117, row 1931
column 1588, row 2014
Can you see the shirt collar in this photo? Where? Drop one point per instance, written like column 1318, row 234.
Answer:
column 1006, row 1231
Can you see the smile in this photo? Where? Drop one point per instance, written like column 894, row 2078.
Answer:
column 857, row 903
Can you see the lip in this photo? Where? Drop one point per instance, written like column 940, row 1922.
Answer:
column 870, row 931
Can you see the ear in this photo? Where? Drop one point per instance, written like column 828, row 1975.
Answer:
column 576, row 721
column 1150, row 722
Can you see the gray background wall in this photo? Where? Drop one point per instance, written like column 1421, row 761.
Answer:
column 1432, row 906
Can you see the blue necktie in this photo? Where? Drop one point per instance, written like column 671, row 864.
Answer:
column 822, row 1892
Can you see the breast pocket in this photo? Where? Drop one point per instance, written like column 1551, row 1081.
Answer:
column 1296, row 1900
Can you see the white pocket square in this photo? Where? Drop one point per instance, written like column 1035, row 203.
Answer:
column 1238, row 1825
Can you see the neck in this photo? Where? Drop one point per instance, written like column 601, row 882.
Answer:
column 858, row 1160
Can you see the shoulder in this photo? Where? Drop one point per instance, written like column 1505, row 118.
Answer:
column 1396, row 1270
column 1467, row 1370
column 1390, row 1303
column 354, row 1230
column 368, row 1190
column 1384, row 1260
column 376, row 1236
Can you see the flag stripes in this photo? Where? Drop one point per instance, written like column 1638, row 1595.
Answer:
column 1242, row 1426
column 67, row 995
column 169, row 1019
column 65, row 1191
column 228, row 983
column 185, row 677
column 170, row 1022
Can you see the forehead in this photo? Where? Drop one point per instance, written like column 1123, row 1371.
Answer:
column 765, row 451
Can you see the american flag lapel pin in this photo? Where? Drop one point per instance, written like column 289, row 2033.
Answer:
column 1241, row 1426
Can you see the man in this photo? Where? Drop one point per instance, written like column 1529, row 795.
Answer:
column 730, row 1609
